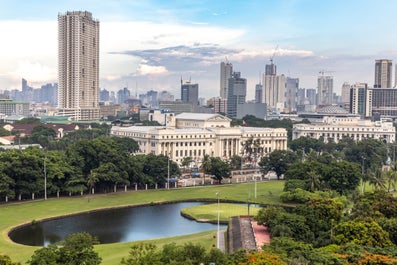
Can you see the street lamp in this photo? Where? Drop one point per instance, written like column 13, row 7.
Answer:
column 45, row 177
column 168, row 171
column 217, row 194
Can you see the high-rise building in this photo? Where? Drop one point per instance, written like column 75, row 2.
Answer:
column 78, row 65
column 291, row 94
column 360, row 100
column 123, row 95
column 237, row 92
column 325, row 87
column 345, row 95
column 226, row 73
column 189, row 92
column 273, row 88
column 383, row 73
column 311, row 95
column 258, row 93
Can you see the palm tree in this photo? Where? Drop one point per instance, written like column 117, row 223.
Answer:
column 206, row 165
column 391, row 178
column 314, row 181
column 377, row 180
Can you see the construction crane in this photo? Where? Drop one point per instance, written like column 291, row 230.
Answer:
column 322, row 72
column 274, row 54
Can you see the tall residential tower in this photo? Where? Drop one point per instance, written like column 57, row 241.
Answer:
column 383, row 73
column 78, row 65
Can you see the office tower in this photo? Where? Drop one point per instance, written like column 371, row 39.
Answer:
column 291, row 94
column 258, row 93
column 123, row 95
column 345, row 95
column 273, row 88
column 226, row 73
column 301, row 96
column 311, row 95
column 360, row 100
column 383, row 73
column 104, row 95
column 189, row 92
column 237, row 92
column 78, row 65
column 325, row 87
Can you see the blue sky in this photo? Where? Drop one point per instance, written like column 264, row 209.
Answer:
column 151, row 44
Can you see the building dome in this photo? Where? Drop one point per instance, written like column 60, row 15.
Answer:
column 333, row 109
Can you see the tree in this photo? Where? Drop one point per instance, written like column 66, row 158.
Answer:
column 206, row 165
column 143, row 254
column 220, row 169
column 77, row 249
column 278, row 161
column 236, row 162
column 365, row 233
column 5, row 260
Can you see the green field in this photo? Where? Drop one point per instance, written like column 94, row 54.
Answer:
column 15, row 214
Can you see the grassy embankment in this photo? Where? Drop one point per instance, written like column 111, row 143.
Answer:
column 15, row 214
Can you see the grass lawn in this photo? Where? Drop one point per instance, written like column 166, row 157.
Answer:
column 15, row 214
column 209, row 212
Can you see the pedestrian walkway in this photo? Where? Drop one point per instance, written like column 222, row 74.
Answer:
column 262, row 235
column 221, row 236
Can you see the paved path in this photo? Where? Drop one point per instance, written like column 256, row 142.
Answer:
column 262, row 235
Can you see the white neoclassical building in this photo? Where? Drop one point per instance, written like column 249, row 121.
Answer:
column 338, row 127
column 195, row 135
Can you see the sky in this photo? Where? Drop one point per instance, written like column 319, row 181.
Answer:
column 152, row 44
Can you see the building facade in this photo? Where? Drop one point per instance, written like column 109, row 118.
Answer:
column 225, row 74
column 78, row 65
column 189, row 92
column 273, row 88
column 336, row 128
column 361, row 100
column 291, row 94
column 325, row 87
column 236, row 93
column 383, row 73
column 195, row 135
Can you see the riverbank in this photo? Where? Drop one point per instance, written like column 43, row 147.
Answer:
column 16, row 214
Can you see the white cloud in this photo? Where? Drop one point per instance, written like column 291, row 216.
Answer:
column 34, row 72
column 145, row 69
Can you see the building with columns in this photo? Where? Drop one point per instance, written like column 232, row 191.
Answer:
column 195, row 135
column 335, row 128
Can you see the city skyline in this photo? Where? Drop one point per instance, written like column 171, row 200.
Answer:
column 150, row 44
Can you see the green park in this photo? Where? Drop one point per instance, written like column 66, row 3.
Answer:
column 16, row 214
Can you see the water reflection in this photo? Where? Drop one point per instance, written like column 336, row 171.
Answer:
column 115, row 225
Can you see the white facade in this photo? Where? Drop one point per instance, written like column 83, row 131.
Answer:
column 274, row 91
column 196, row 135
column 78, row 66
column 337, row 128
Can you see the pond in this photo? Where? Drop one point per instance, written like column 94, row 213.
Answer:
column 115, row 225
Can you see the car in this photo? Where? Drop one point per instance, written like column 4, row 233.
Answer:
column 195, row 175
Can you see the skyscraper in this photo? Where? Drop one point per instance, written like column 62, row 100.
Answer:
column 78, row 65
column 360, row 100
column 226, row 73
column 325, row 87
column 291, row 94
column 189, row 92
column 273, row 88
column 383, row 73
column 237, row 92
column 345, row 95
